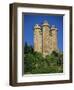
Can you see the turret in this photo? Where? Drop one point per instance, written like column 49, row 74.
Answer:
column 45, row 38
column 37, row 27
column 53, row 27
column 53, row 32
column 37, row 38
column 45, row 23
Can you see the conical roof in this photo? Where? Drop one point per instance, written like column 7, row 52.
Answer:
column 53, row 27
column 45, row 23
column 37, row 26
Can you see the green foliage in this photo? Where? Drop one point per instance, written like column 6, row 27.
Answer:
column 35, row 63
column 28, row 49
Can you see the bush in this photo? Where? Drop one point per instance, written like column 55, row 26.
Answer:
column 35, row 63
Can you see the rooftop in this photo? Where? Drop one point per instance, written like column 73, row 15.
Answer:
column 53, row 27
column 37, row 26
column 45, row 23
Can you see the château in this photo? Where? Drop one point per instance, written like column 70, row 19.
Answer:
column 45, row 38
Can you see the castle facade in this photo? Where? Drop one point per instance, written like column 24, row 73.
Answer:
column 45, row 38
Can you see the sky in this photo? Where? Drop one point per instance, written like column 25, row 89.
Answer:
column 31, row 19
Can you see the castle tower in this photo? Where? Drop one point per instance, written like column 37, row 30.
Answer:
column 45, row 38
column 37, row 38
column 53, row 33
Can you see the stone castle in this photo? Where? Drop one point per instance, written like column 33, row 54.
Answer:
column 45, row 38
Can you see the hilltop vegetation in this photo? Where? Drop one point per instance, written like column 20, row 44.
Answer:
column 35, row 63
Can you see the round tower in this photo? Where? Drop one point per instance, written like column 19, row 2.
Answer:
column 53, row 38
column 37, row 39
column 45, row 38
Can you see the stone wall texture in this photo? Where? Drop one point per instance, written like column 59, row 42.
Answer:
column 45, row 38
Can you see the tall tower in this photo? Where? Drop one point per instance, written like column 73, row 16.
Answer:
column 37, row 38
column 45, row 38
column 53, row 33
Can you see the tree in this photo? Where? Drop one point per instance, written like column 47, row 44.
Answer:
column 34, row 62
column 51, row 60
column 28, row 48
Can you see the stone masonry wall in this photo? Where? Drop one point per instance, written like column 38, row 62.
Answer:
column 45, row 38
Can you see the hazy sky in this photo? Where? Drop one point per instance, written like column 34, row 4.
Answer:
column 31, row 19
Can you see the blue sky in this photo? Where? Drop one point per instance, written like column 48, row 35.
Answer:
column 31, row 19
